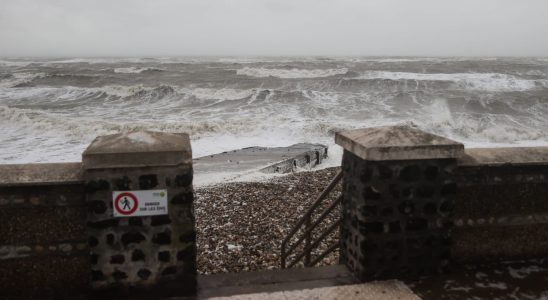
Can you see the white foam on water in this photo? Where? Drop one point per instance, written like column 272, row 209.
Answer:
column 415, row 59
column 252, row 60
column 471, row 81
column 134, row 70
column 54, row 94
column 290, row 73
column 19, row 78
column 98, row 60
column 397, row 59
column 15, row 63
column 219, row 94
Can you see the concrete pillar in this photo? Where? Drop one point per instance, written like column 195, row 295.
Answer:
column 398, row 197
column 137, row 248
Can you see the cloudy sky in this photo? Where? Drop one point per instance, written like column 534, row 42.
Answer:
column 273, row 27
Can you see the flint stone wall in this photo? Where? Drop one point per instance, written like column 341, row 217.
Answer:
column 502, row 207
column 493, row 206
column 43, row 244
column 151, row 251
column 397, row 216
column 136, row 255
column 500, row 212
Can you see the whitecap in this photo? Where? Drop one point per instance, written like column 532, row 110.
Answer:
column 135, row 70
column 219, row 94
column 290, row 73
column 19, row 78
column 470, row 81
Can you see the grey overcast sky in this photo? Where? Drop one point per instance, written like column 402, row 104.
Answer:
column 273, row 27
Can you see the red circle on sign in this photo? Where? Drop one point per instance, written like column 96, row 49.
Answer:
column 117, row 203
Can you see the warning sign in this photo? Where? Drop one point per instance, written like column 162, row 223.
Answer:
column 139, row 203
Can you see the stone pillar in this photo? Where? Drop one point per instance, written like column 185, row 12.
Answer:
column 132, row 254
column 398, row 197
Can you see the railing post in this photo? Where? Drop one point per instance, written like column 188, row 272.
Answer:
column 306, row 221
column 307, row 241
column 283, row 255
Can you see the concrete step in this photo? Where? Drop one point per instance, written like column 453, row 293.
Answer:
column 228, row 284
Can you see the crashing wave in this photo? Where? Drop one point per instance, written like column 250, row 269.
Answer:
column 290, row 73
column 33, row 94
column 219, row 94
column 90, row 127
column 494, row 82
column 160, row 92
column 13, row 63
column 19, row 79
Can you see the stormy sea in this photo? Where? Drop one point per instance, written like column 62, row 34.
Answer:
column 51, row 109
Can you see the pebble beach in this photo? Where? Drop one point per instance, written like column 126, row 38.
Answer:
column 240, row 226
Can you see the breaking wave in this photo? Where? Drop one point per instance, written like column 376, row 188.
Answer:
column 472, row 81
column 290, row 73
column 16, row 79
column 90, row 127
column 54, row 94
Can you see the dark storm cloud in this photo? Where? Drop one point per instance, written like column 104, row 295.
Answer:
column 282, row 27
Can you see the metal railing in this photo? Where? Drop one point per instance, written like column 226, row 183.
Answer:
column 309, row 226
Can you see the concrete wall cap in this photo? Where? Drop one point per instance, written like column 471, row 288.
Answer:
column 138, row 149
column 397, row 143
column 41, row 174
column 500, row 156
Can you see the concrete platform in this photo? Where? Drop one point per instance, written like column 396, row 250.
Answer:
column 231, row 165
column 228, row 284
column 500, row 280
column 379, row 290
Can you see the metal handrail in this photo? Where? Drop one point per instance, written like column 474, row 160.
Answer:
column 316, row 242
column 307, row 235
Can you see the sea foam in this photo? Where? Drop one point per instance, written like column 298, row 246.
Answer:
column 472, row 81
column 135, row 70
column 290, row 73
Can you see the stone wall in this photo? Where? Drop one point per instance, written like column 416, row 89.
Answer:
column 397, row 216
column 413, row 203
column 502, row 207
column 137, row 254
column 60, row 239
column 156, row 254
column 43, row 243
column 408, row 216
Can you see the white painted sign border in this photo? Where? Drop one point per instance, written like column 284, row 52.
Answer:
column 139, row 203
